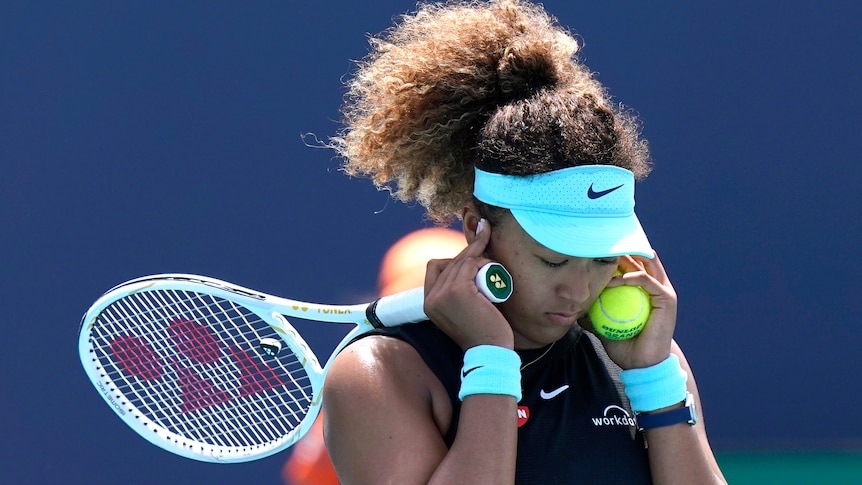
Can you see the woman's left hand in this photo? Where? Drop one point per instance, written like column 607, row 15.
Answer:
column 653, row 344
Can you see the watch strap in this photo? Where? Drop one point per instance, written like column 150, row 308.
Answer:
column 685, row 414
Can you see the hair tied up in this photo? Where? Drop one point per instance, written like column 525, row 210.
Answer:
column 525, row 69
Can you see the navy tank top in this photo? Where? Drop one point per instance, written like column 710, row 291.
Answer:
column 575, row 424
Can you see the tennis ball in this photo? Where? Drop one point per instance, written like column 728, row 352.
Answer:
column 621, row 312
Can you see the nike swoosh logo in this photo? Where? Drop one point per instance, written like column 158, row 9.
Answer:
column 465, row 372
column 556, row 392
column 597, row 195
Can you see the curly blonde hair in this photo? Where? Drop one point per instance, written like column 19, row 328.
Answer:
column 471, row 83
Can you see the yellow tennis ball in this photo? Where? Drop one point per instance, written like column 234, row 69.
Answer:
column 621, row 312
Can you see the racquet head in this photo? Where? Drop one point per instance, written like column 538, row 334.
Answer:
column 205, row 369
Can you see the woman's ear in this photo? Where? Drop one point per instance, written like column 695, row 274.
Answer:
column 470, row 220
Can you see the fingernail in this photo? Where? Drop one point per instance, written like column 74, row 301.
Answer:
column 480, row 226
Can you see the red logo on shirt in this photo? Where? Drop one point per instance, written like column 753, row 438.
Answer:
column 523, row 415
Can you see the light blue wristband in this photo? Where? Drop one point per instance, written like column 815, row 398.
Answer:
column 655, row 387
column 489, row 369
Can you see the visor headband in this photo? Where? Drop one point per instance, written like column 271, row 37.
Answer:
column 582, row 191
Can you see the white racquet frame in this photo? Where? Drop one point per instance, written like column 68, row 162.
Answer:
column 214, row 371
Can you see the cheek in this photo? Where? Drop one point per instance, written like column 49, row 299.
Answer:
column 522, row 282
column 528, row 280
column 531, row 286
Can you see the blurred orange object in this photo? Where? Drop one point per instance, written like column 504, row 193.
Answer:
column 403, row 265
column 309, row 463
column 402, row 268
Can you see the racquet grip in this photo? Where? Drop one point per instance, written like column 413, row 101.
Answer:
column 492, row 280
column 398, row 309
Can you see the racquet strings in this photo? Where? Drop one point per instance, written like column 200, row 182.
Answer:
column 191, row 363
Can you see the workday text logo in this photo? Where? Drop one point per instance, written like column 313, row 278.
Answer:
column 614, row 416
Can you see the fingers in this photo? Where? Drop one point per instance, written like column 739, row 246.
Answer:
column 477, row 246
column 640, row 271
column 455, row 303
column 469, row 260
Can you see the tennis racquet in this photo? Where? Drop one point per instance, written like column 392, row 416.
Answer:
column 213, row 371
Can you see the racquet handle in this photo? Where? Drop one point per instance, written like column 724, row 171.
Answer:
column 492, row 280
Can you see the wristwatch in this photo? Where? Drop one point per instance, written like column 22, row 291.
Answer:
column 685, row 414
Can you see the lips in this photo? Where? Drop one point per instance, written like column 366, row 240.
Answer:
column 562, row 318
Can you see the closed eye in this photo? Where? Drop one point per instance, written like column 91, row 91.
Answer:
column 553, row 264
column 608, row 261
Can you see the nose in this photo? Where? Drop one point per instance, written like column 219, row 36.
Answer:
column 574, row 286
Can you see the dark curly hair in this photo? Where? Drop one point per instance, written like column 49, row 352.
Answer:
column 467, row 83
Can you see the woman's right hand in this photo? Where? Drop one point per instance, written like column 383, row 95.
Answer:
column 454, row 303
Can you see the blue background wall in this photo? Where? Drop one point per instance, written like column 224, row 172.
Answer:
column 148, row 137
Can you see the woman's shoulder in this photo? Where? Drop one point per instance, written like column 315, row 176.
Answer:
column 391, row 361
column 372, row 362
column 386, row 381
column 434, row 348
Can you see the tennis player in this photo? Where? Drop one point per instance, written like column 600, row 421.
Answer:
column 483, row 113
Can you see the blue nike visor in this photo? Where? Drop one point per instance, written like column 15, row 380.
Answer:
column 585, row 211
